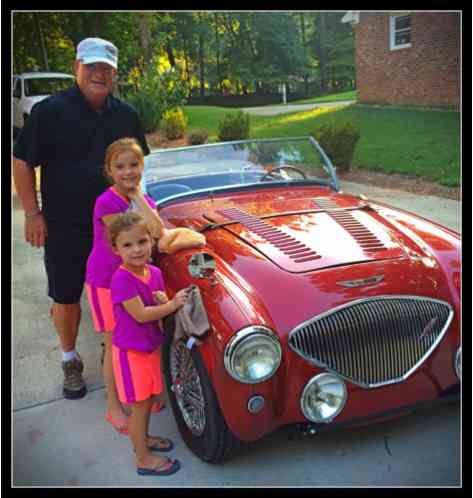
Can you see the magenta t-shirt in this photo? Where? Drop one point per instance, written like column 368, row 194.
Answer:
column 103, row 262
column 128, row 333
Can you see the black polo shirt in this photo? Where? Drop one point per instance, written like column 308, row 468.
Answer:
column 68, row 139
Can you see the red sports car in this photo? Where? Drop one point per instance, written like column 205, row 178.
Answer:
column 325, row 309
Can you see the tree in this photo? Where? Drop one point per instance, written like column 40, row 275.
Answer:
column 334, row 47
column 221, row 52
column 145, row 38
column 41, row 39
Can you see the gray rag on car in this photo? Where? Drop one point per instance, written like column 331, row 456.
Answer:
column 191, row 319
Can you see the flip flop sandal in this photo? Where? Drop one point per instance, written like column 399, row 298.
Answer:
column 155, row 472
column 158, row 406
column 119, row 425
column 169, row 447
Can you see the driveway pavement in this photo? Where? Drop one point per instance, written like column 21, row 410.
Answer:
column 286, row 108
column 58, row 442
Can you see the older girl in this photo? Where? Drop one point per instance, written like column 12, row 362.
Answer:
column 124, row 164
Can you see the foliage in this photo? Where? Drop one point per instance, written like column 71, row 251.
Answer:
column 220, row 52
column 153, row 94
column 338, row 140
column 234, row 126
column 174, row 123
column 198, row 136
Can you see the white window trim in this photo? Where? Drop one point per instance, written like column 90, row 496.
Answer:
column 392, row 31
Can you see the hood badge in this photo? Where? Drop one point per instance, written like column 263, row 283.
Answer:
column 362, row 281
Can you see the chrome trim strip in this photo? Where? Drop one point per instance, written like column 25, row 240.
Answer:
column 361, row 281
column 459, row 353
column 396, row 380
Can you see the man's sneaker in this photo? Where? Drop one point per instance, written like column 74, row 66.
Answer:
column 74, row 385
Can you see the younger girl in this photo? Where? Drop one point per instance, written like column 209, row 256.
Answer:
column 124, row 163
column 135, row 288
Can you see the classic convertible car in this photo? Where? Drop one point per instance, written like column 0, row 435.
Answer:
column 325, row 309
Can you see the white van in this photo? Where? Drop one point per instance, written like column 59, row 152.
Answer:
column 29, row 88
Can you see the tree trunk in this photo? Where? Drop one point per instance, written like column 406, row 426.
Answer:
column 145, row 38
column 96, row 23
column 201, row 65
column 217, row 50
column 322, row 52
column 41, row 39
column 170, row 55
column 304, row 44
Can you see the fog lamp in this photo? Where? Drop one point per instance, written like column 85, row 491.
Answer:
column 323, row 398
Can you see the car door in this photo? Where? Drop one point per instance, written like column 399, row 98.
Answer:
column 16, row 99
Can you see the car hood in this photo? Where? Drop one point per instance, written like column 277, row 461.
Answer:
column 311, row 252
column 312, row 234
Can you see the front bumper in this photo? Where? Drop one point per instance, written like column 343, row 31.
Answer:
column 431, row 383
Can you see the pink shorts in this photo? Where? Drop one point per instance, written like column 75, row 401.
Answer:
column 100, row 302
column 137, row 374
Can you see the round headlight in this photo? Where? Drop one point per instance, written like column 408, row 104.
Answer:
column 252, row 355
column 323, row 398
column 458, row 363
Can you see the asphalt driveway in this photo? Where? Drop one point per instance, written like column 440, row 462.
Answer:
column 57, row 442
column 286, row 108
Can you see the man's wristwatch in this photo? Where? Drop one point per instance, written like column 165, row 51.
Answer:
column 34, row 213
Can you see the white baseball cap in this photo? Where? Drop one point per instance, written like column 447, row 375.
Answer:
column 92, row 50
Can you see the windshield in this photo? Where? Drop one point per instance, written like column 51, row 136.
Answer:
column 45, row 86
column 230, row 164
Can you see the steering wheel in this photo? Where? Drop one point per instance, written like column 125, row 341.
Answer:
column 275, row 170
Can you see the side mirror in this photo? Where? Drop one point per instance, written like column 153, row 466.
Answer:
column 202, row 265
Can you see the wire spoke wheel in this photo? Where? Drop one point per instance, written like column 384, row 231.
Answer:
column 187, row 388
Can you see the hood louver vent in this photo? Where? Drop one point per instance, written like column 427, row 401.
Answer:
column 365, row 238
column 295, row 250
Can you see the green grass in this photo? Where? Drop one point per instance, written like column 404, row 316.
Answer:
column 351, row 95
column 407, row 141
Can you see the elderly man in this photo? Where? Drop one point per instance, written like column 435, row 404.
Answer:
column 67, row 135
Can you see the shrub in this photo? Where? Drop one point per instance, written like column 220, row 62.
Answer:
column 234, row 126
column 174, row 123
column 153, row 94
column 338, row 141
column 198, row 136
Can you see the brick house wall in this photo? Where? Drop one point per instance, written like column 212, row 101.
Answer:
column 427, row 73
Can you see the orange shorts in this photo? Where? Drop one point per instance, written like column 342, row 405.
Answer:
column 137, row 374
column 100, row 302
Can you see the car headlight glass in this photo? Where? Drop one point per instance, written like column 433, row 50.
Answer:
column 323, row 398
column 253, row 355
column 458, row 363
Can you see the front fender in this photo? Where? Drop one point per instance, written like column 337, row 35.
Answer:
column 229, row 309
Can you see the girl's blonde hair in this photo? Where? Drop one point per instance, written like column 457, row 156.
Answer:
column 123, row 222
column 119, row 146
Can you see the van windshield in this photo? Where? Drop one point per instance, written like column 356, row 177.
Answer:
column 46, row 86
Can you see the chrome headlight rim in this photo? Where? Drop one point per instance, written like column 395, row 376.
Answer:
column 242, row 337
column 458, row 365
column 319, row 379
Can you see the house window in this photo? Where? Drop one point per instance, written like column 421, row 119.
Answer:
column 399, row 32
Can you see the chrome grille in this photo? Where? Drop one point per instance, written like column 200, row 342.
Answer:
column 374, row 341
